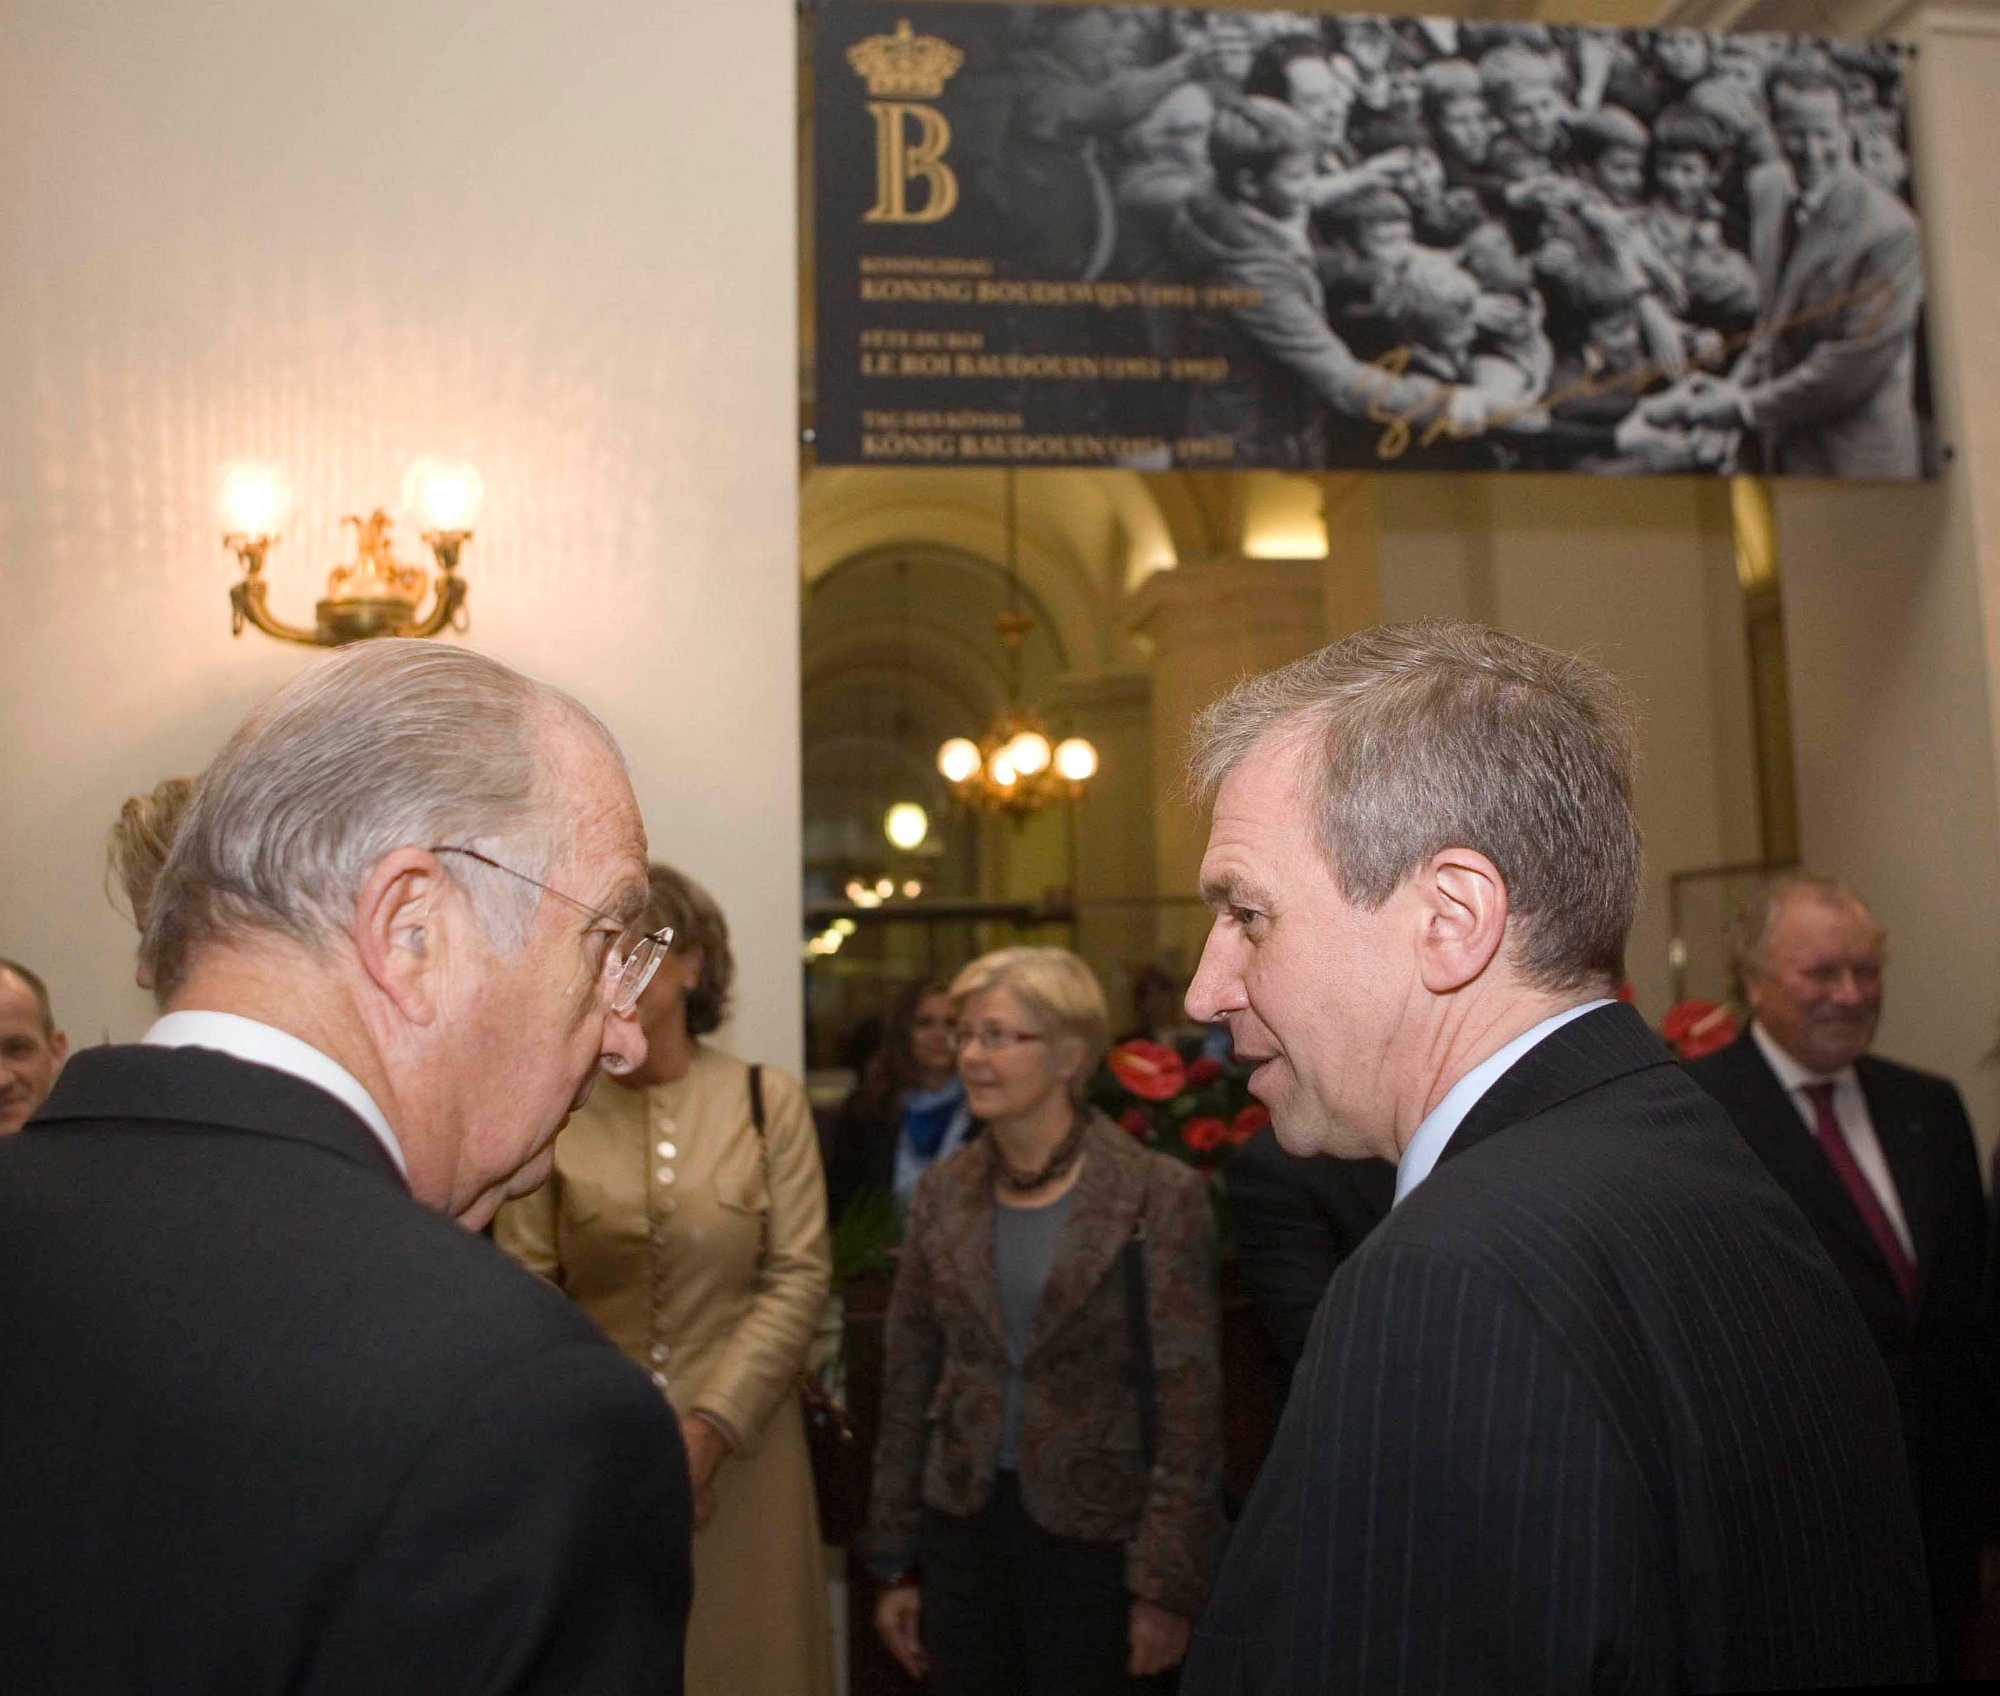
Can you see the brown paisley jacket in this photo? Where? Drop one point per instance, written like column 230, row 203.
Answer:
column 1083, row 1471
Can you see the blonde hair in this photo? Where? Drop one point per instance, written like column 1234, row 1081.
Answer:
column 1061, row 994
column 140, row 840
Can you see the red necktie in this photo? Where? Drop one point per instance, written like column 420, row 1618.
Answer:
column 1840, row 1156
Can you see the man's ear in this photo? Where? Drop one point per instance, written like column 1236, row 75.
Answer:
column 59, row 1046
column 1463, row 902
column 400, row 931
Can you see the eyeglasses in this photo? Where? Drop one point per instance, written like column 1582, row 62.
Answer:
column 630, row 962
column 990, row 1038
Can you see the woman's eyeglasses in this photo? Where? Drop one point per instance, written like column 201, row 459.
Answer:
column 991, row 1037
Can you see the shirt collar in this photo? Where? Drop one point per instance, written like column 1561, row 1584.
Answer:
column 1435, row 1132
column 1790, row 1073
column 266, row 1045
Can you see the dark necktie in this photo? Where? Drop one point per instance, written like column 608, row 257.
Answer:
column 1840, row 1156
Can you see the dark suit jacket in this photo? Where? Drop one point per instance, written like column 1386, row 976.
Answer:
column 1833, row 364
column 1294, row 1221
column 1939, row 1353
column 1588, row 1411
column 267, row 1424
column 1083, row 1473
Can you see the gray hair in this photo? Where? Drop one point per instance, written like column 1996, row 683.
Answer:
column 1422, row 737
column 36, row 988
column 1749, row 934
column 389, row 744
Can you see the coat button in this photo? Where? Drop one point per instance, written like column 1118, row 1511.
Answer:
column 660, row 1378
column 665, row 1150
column 660, row 1353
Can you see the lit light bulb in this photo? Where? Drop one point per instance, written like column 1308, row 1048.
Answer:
column 445, row 495
column 842, row 926
column 1076, row 759
column 958, row 759
column 855, row 890
column 1028, row 753
column 830, row 941
column 912, row 890
column 884, row 888
column 256, row 500
column 906, row 825
column 865, row 897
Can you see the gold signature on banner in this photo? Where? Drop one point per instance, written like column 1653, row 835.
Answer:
column 902, row 71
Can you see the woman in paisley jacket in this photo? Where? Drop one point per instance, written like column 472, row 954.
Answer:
column 1026, row 1539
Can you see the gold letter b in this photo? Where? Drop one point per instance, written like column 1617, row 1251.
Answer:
column 899, row 161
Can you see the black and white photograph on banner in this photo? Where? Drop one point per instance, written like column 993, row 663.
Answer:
column 1159, row 237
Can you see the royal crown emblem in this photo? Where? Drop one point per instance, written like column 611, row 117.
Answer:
column 905, row 66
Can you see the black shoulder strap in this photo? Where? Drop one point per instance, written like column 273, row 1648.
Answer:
column 1145, row 1382
column 757, row 1099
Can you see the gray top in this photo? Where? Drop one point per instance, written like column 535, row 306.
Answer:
column 1024, row 1247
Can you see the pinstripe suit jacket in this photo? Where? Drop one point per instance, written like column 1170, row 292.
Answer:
column 1589, row 1410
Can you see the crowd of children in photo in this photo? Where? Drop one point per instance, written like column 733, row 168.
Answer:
column 1538, row 246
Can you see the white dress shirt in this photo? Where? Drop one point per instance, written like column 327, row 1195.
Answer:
column 1850, row 1111
column 266, row 1045
column 1428, row 1144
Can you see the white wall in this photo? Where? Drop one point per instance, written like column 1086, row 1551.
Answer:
column 557, row 241
column 1640, row 575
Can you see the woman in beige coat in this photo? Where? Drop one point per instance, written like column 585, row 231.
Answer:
column 699, row 1245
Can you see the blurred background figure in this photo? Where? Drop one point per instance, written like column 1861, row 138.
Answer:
column 1296, row 1218
column 909, row 1108
column 1880, row 1159
column 138, row 848
column 31, row 1047
column 1043, row 1508
column 695, row 1236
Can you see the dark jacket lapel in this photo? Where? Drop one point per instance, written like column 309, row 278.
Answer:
column 1771, row 1124
column 1608, row 1043
column 201, row 1089
column 1905, row 1146
column 965, row 1220
column 1103, row 1207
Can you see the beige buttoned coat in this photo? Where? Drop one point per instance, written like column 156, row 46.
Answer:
column 700, row 1249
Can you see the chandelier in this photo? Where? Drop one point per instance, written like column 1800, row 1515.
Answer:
column 1015, row 767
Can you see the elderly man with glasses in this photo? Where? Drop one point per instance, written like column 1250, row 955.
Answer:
column 273, row 1420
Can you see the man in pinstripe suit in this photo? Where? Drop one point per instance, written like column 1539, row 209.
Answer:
column 1591, row 1409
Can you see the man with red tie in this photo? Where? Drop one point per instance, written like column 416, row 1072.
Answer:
column 1880, row 1159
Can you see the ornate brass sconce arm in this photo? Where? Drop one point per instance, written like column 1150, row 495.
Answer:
column 374, row 594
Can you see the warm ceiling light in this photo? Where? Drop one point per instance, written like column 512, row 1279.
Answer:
column 958, row 759
column 912, row 890
column 1076, row 760
column 375, row 593
column 445, row 494
column 906, row 825
column 884, row 888
column 256, row 501
column 1028, row 753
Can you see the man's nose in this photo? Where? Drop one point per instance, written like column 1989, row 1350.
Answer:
column 623, row 1046
column 1216, row 988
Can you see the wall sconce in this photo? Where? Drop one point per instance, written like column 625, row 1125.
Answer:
column 375, row 593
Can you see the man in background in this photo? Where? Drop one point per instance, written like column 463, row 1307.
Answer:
column 31, row 1047
column 271, row 1416
column 1829, row 383
column 1590, row 1409
column 1880, row 1159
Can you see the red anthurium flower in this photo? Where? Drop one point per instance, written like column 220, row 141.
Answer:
column 1136, row 1122
column 1149, row 1070
column 1249, row 1122
column 1203, row 1071
column 1204, row 1135
column 1695, row 1028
